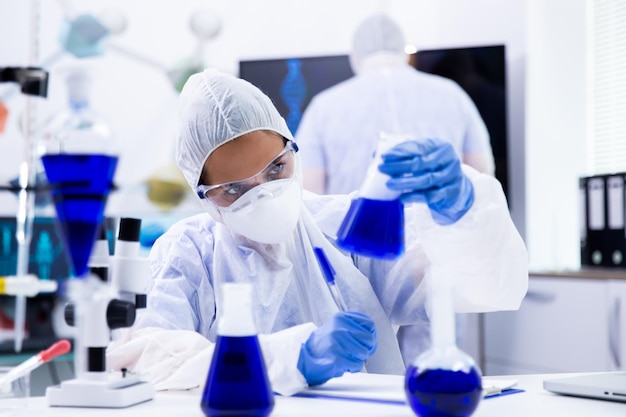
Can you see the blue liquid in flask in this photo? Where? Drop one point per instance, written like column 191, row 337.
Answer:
column 443, row 392
column 373, row 228
column 237, row 383
column 80, row 185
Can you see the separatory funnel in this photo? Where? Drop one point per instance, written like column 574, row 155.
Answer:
column 80, row 185
column 78, row 156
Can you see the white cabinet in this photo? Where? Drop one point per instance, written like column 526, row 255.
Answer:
column 617, row 325
column 563, row 325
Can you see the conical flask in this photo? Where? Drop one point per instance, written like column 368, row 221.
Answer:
column 374, row 224
column 237, row 383
column 444, row 381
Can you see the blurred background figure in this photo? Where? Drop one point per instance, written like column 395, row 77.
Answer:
column 341, row 126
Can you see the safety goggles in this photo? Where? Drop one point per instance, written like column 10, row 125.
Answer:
column 281, row 167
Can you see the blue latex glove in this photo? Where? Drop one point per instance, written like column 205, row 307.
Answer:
column 429, row 171
column 342, row 344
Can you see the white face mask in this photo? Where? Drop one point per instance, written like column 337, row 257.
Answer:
column 268, row 213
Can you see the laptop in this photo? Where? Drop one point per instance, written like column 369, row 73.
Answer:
column 605, row 385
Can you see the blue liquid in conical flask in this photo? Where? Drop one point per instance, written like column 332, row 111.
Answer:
column 373, row 228
column 237, row 384
column 443, row 392
column 80, row 185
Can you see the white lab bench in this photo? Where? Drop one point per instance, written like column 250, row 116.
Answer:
column 535, row 401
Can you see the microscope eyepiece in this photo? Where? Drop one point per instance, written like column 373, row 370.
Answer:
column 129, row 229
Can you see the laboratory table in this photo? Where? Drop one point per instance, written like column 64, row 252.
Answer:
column 381, row 395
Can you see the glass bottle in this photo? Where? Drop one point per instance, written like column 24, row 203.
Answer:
column 374, row 224
column 444, row 381
column 237, row 383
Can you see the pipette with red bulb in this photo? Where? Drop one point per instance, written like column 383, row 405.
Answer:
column 59, row 348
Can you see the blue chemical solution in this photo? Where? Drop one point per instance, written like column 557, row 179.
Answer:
column 80, row 185
column 373, row 228
column 237, row 384
column 443, row 392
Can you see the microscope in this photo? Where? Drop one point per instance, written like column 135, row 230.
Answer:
column 33, row 81
column 107, row 290
column 116, row 289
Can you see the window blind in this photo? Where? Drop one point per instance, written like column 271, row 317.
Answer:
column 607, row 71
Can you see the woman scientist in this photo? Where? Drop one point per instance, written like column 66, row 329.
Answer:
column 238, row 155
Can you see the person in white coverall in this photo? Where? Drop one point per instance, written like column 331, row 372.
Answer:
column 260, row 226
column 341, row 126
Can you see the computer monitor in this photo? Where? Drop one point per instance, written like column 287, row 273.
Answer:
column 481, row 72
column 291, row 83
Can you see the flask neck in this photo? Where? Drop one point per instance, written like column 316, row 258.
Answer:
column 443, row 331
column 374, row 186
column 237, row 318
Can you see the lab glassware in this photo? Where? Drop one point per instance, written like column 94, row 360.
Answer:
column 25, row 368
column 444, row 381
column 18, row 388
column 374, row 224
column 237, row 382
column 79, row 156
column 80, row 185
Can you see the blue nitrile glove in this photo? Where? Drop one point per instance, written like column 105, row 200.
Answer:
column 342, row 344
column 429, row 171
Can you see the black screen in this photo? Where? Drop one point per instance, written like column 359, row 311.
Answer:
column 291, row 83
column 481, row 72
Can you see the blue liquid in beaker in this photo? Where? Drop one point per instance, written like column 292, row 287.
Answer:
column 443, row 392
column 373, row 228
column 80, row 185
column 237, row 384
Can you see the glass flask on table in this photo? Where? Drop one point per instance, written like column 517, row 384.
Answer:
column 237, row 383
column 443, row 381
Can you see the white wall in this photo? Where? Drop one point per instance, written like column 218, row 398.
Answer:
column 140, row 102
column 556, row 123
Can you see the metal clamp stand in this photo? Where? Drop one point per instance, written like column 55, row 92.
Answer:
column 100, row 308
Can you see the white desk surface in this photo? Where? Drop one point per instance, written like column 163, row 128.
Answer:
column 535, row 401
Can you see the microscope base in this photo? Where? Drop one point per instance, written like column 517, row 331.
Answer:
column 113, row 392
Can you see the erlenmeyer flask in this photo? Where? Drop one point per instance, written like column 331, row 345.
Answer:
column 444, row 381
column 237, row 383
column 374, row 224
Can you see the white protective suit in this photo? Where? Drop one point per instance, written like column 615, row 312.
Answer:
column 483, row 251
column 385, row 95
